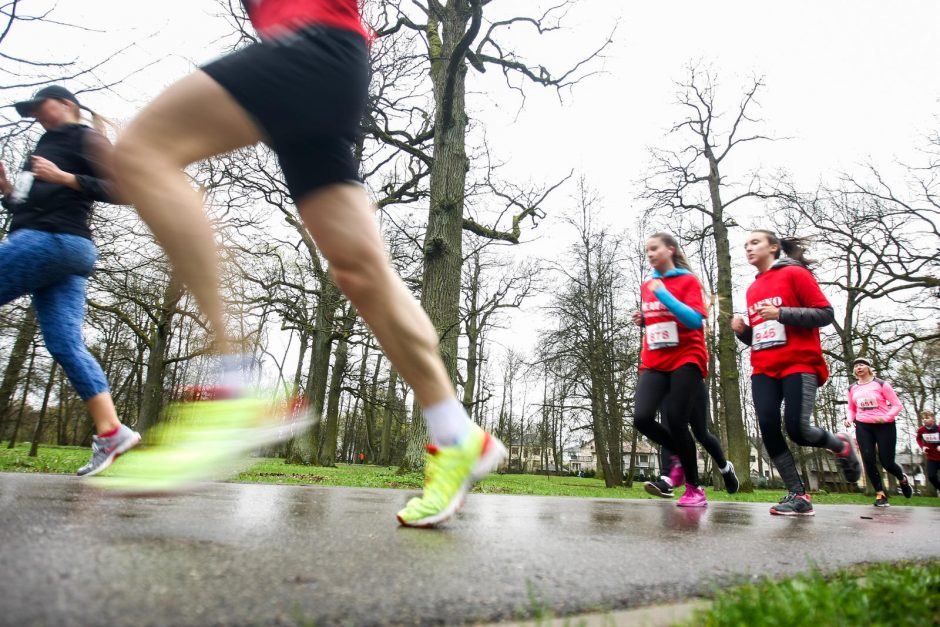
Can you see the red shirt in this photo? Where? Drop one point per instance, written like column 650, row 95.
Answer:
column 778, row 350
column 271, row 17
column 667, row 343
column 929, row 439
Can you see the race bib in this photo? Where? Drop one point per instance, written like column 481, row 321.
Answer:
column 932, row 437
column 662, row 335
column 24, row 183
column 866, row 402
column 768, row 334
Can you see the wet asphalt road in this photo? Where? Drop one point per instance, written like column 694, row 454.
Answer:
column 239, row 554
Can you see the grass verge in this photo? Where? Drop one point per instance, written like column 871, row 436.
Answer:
column 880, row 594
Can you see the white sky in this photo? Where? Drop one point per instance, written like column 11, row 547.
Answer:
column 846, row 80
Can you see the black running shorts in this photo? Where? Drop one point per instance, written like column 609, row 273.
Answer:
column 307, row 91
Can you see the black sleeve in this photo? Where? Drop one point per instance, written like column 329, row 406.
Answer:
column 96, row 150
column 807, row 317
column 747, row 336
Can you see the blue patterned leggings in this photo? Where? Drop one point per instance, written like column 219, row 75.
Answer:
column 54, row 268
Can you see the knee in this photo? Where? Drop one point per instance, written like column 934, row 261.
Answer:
column 359, row 270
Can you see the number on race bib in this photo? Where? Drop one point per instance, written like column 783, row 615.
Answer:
column 768, row 334
column 662, row 335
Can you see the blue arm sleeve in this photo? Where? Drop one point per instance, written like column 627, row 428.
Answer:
column 683, row 313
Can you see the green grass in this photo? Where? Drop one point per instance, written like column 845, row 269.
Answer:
column 67, row 459
column 881, row 594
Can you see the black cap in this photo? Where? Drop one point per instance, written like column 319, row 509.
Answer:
column 862, row 360
column 25, row 108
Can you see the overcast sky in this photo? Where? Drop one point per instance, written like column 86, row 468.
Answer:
column 845, row 81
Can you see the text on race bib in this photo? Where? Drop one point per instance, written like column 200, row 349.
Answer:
column 932, row 437
column 768, row 334
column 866, row 402
column 662, row 335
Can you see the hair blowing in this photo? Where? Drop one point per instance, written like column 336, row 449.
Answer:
column 793, row 247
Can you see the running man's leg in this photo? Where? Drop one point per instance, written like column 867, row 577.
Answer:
column 342, row 223
column 866, row 446
column 192, row 120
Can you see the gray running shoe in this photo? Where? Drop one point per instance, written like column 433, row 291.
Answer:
column 847, row 460
column 659, row 488
column 882, row 501
column 793, row 505
column 906, row 488
column 105, row 450
column 731, row 479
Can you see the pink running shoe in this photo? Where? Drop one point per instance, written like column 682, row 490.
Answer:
column 676, row 474
column 693, row 497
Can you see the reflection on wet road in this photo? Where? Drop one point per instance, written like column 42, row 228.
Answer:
column 254, row 554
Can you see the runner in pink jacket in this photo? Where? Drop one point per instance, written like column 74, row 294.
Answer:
column 873, row 407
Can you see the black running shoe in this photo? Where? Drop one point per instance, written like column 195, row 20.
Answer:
column 659, row 488
column 731, row 479
column 882, row 501
column 848, row 460
column 793, row 505
column 906, row 488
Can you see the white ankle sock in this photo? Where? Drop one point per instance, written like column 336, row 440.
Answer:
column 447, row 422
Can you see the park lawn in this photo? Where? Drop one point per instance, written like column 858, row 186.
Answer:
column 67, row 459
column 879, row 594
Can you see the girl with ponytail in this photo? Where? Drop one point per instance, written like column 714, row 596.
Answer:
column 49, row 254
column 785, row 309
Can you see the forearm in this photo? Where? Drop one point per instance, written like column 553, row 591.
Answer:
column 806, row 317
column 686, row 316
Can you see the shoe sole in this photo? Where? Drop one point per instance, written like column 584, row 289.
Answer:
column 652, row 489
column 776, row 513
column 702, row 504
column 493, row 453
column 117, row 452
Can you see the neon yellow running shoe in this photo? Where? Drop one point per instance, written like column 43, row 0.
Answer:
column 449, row 473
column 200, row 441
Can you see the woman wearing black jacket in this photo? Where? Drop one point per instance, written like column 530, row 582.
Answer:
column 49, row 254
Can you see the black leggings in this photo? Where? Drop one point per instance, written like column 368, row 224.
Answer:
column 699, row 424
column 933, row 468
column 679, row 390
column 798, row 393
column 884, row 436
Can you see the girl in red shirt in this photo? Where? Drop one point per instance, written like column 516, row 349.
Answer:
column 673, row 360
column 785, row 310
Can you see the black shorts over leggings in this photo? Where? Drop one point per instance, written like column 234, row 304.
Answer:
column 307, row 91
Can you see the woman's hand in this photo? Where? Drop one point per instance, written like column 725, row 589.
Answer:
column 637, row 318
column 737, row 324
column 848, row 423
column 768, row 312
column 49, row 172
column 654, row 285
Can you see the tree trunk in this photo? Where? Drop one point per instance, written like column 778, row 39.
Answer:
column 327, row 455
column 37, row 432
column 730, row 385
column 18, row 355
column 304, row 448
column 152, row 392
column 388, row 417
column 19, row 416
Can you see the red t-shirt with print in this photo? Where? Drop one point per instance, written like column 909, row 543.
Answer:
column 778, row 350
column 270, row 17
column 667, row 343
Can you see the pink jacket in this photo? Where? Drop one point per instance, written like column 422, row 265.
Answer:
column 873, row 402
